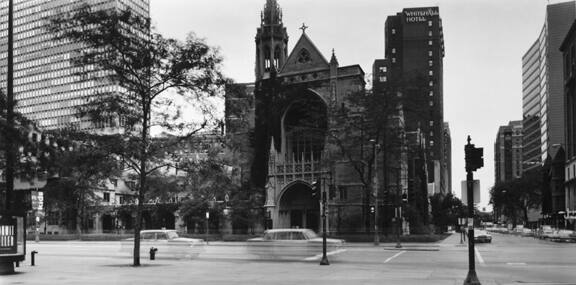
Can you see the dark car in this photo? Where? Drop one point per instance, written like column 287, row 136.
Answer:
column 293, row 243
column 168, row 244
column 482, row 236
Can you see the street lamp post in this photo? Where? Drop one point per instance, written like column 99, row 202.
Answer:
column 324, row 260
column 399, row 201
column 207, row 222
column 375, row 191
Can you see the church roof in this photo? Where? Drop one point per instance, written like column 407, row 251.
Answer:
column 304, row 56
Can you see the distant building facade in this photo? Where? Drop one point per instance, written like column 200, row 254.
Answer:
column 568, row 49
column 447, row 141
column 508, row 152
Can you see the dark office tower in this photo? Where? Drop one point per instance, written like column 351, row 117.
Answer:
column 415, row 50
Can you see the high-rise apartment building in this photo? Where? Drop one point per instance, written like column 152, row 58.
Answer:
column 542, row 81
column 46, row 86
column 414, row 68
column 508, row 152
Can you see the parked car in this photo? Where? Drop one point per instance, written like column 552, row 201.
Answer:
column 527, row 232
column 293, row 243
column 482, row 236
column 168, row 244
column 562, row 236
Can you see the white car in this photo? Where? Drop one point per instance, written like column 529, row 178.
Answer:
column 482, row 236
column 562, row 236
column 167, row 244
column 293, row 243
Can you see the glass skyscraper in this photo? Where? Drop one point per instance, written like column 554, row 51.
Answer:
column 542, row 82
column 46, row 85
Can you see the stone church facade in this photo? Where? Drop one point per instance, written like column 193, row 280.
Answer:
column 285, row 133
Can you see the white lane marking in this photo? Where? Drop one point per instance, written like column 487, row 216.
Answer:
column 516, row 263
column 394, row 256
column 319, row 256
column 480, row 259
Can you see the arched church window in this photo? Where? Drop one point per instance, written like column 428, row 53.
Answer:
column 267, row 58
column 277, row 53
column 304, row 56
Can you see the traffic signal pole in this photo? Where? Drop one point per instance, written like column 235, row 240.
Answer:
column 474, row 161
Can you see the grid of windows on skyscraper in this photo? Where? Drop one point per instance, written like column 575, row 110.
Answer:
column 46, row 85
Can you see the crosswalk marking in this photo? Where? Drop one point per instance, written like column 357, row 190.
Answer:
column 394, row 256
column 480, row 259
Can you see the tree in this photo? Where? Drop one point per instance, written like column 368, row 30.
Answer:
column 121, row 49
column 446, row 209
column 80, row 169
column 370, row 118
column 514, row 198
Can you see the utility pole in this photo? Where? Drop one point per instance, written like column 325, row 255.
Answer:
column 474, row 160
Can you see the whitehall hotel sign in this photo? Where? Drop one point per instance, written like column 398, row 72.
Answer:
column 420, row 15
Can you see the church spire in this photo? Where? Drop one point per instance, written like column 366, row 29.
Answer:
column 272, row 14
column 271, row 41
column 333, row 60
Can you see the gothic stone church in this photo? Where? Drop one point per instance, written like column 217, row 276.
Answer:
column 281, row 130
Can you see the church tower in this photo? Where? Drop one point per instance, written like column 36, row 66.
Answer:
column 271, row 41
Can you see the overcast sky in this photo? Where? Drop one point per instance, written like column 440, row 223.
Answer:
column 484, row 43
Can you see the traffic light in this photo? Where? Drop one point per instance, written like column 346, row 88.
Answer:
column 372, row 209
column 404, row 198
column 474, row 157
column 316, row 189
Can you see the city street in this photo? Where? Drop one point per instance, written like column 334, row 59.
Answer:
column 508, row 260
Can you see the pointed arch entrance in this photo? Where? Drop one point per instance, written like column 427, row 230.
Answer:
column 298, row 208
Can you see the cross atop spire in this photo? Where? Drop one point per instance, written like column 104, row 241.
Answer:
column 303, row 28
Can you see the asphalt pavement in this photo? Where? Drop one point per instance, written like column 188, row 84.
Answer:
column 444, row 263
